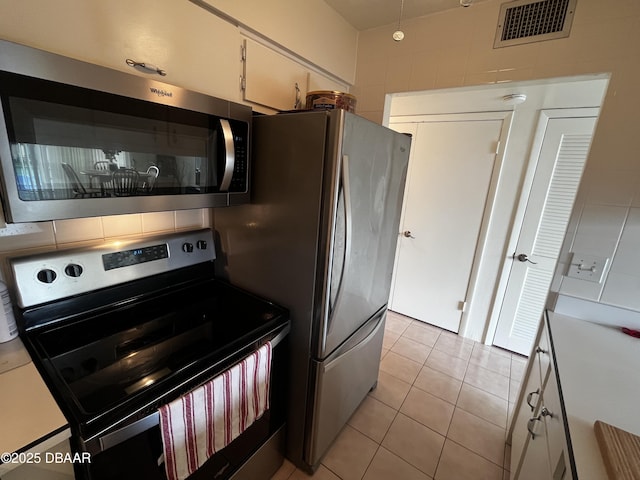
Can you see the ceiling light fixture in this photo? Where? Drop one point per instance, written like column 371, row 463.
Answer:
column 514, row 98
column 466, row 3
column 398, row 35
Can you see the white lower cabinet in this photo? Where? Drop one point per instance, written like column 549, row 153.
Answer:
column 556, row 431
column 530, row 401
column 538, row 438
column 55, row 463
column 535, row 458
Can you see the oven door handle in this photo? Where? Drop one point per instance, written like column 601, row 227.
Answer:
column 125, row 433
column 280, row 336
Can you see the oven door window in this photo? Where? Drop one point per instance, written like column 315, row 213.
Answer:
column 77, row 143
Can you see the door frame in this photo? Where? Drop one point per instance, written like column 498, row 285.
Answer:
column 506, row 117
column 532, row 165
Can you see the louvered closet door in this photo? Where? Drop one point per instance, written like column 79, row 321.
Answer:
column 560, row 163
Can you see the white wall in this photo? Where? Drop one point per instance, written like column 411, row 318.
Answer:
column 455, row 49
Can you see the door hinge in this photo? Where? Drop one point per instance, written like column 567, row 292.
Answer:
column 243, row 53
column 462, row 305
column 243, row 83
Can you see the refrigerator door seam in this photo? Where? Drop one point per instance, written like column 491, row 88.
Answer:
column 335, row 129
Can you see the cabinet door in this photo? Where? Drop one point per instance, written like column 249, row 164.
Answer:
column 537, row 372
column 543, row 352
column 271, row 79
column 196, row 49
column 45, row 468
column 535, row 458
column 530, row 404
column 556, row 434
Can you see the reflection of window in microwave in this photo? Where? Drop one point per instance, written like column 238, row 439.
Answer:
column 63, row 151
column 49, row 172
column 46, row 123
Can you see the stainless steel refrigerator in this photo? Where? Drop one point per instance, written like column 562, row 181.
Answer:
column 319, row 238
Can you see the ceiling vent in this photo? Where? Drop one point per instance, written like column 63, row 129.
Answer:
column 526, row 21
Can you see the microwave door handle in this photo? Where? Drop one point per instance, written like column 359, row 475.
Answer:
column 229, row 155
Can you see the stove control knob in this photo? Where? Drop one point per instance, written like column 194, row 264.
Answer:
column 202, row 244
column 46, row 275
column 73, row 270
column 187, row 247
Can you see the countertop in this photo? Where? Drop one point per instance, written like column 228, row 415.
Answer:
column 29, row 416
column 598, row 370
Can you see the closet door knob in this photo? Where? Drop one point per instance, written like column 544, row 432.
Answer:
column 524, row 258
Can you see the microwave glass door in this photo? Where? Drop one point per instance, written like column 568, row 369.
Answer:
column 69, row 142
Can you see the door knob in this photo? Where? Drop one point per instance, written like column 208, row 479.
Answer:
column 522, row 257
column 407, row 234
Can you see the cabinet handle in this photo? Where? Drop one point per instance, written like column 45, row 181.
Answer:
column 544, row 412
column 530, row 426
column 540, row 350
column 530, row 396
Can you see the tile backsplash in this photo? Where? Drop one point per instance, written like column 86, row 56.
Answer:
column 611, row 231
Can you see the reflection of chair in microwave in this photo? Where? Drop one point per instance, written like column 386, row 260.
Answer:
column 168, row 176
column 125, row 182
column 152, row 175
column 106, row 184
column 78, row 189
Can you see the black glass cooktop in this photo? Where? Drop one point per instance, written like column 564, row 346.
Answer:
column 138, row 349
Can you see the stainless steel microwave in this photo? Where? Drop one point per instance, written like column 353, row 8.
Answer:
column 81, row 140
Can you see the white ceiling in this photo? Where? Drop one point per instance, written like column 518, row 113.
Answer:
column 366, row 14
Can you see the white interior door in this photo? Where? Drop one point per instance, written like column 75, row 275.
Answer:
column 449, row 179
column 561, row 155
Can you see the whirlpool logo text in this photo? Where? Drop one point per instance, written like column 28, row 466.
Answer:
column 161, row 93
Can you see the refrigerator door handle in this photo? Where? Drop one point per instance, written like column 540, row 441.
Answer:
column 346, row 195
column 229, row 155
column 356, row 343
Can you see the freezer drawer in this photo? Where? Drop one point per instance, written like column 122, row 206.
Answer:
column 342, row 381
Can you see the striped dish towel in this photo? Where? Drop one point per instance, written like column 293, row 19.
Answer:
column 208, row 418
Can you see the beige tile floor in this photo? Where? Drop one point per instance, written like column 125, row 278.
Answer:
column 440, row 411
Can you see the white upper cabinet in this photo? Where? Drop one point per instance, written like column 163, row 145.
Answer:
column 271, row 79
column 197, row 49
column 311, row 30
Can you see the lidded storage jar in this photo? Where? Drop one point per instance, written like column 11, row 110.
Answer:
column 329, row 100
